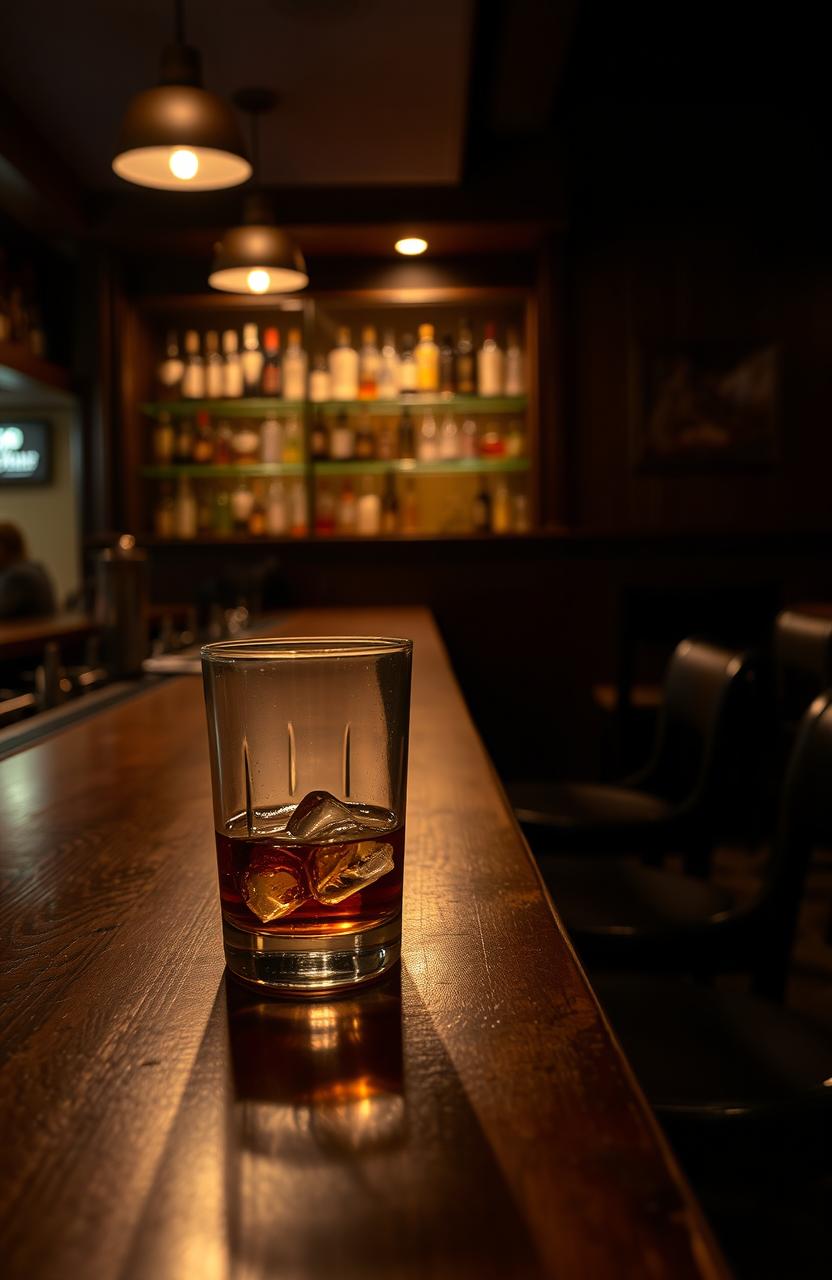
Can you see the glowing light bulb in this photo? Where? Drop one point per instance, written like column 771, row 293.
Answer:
column 411, row 245
column 258, row 280
column 184, row 164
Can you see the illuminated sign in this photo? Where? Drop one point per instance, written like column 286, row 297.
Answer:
column 25, row 453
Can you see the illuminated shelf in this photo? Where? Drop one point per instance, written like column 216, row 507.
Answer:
column 455, row 467
column 450, row 404
column 245, row 407
column 204, row 471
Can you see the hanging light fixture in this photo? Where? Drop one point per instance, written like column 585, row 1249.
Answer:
column 257, row 257
column 178, row 136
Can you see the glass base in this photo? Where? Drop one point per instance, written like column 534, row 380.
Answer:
column 312, row 964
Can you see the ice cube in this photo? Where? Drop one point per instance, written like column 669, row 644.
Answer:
column 273, row 885
column 319, row 816
column 336, row 871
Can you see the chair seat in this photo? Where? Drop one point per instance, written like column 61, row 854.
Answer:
column 579, row 804
column 694, row 1047
column 608, row 895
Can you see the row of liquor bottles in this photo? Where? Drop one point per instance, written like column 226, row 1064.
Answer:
column 422, row 437
column 280, row 509
column 215, row 366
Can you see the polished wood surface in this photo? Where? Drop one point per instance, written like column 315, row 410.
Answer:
column 469, row 1117
column 21, row 637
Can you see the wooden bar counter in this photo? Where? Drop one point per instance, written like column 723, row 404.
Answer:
column 469, row 1117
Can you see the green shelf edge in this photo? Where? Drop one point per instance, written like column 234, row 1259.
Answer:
column 245, row 407
column 459, row 466
column 254, row 407
column 203, row 471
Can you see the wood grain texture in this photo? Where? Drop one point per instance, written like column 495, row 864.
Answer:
column 469, row 1117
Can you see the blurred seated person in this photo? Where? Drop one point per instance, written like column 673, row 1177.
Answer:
column 26, row 589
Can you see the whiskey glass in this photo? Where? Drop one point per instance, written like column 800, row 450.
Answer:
column 308, row 742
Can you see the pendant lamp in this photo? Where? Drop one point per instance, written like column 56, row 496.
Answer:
column 257, row 257
column 178, row 136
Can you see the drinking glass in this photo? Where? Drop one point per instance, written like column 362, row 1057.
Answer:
column 308, row 742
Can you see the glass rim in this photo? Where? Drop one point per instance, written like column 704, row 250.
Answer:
column 284, row 648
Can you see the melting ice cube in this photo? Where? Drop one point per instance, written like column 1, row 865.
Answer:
column 338, row 870
column 273, row 885
column 319, row 816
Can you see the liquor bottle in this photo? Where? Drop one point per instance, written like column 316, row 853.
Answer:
column 164, row 440
column 466, row 382
column 368, row 512
column 203, row 450
column 271, row 379
column 271, row 441
column 521, row 520
column 515, row 378
column 37, row 337
column 501, row 509
column 184, row 448
column 408, row 371
column 294, row 368
column 277, row 513
column 257, row 515
column 251, row 361
column 365, row 441
column 214, row 366
column 320, row 381
column 347, row 508
column 407, row 436
column 410, row 508
column 490, row 365
column 319, row 439
column 342, row 444
column 469, row 446
column 481, row 511
column 390, row 506
column 448, row 438
column 170, row 370
column 193, row 378
column 492, row 444
column 385, row 441
column 298, row 516
column 292, row 441
column 447, row 379
column 245, row 444
column 426, row 355
column 184, row 517
column 389, row 368
column 205, row 510
column 242, row 501
column 223, row 444
column 343, row 367
column 223, row 521
column 369, row 360
column 164, row 512
column 515, row 440
column 428, row 439
column 324, row 510
column 233, row 369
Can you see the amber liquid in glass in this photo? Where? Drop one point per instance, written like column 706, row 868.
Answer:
column 277, row 884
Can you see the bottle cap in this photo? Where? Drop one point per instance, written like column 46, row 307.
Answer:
column 271, row 340
column 250, row 336
column 229, row 341
column 426, row 332
column 192, row 342
column 368, row 335
column 294, row 337
column 343, row 336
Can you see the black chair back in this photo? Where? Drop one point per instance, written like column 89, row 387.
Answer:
column 802, row 652
column 706, row 728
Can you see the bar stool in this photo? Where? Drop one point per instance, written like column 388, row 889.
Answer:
column 802, row 659
column 699, row 772
column 626, row 916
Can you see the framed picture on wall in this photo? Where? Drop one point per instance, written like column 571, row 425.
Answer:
column 703, row 406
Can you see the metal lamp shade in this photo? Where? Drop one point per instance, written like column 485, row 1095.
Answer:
column 257, row 247
column 173, row 117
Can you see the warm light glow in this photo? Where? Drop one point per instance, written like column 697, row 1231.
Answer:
column 411, row 245
column 258, row 280
column 184, row 164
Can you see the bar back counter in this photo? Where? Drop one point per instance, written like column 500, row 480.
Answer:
column 471, row 1116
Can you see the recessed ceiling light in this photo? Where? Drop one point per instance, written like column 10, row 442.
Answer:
column 410, row 246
